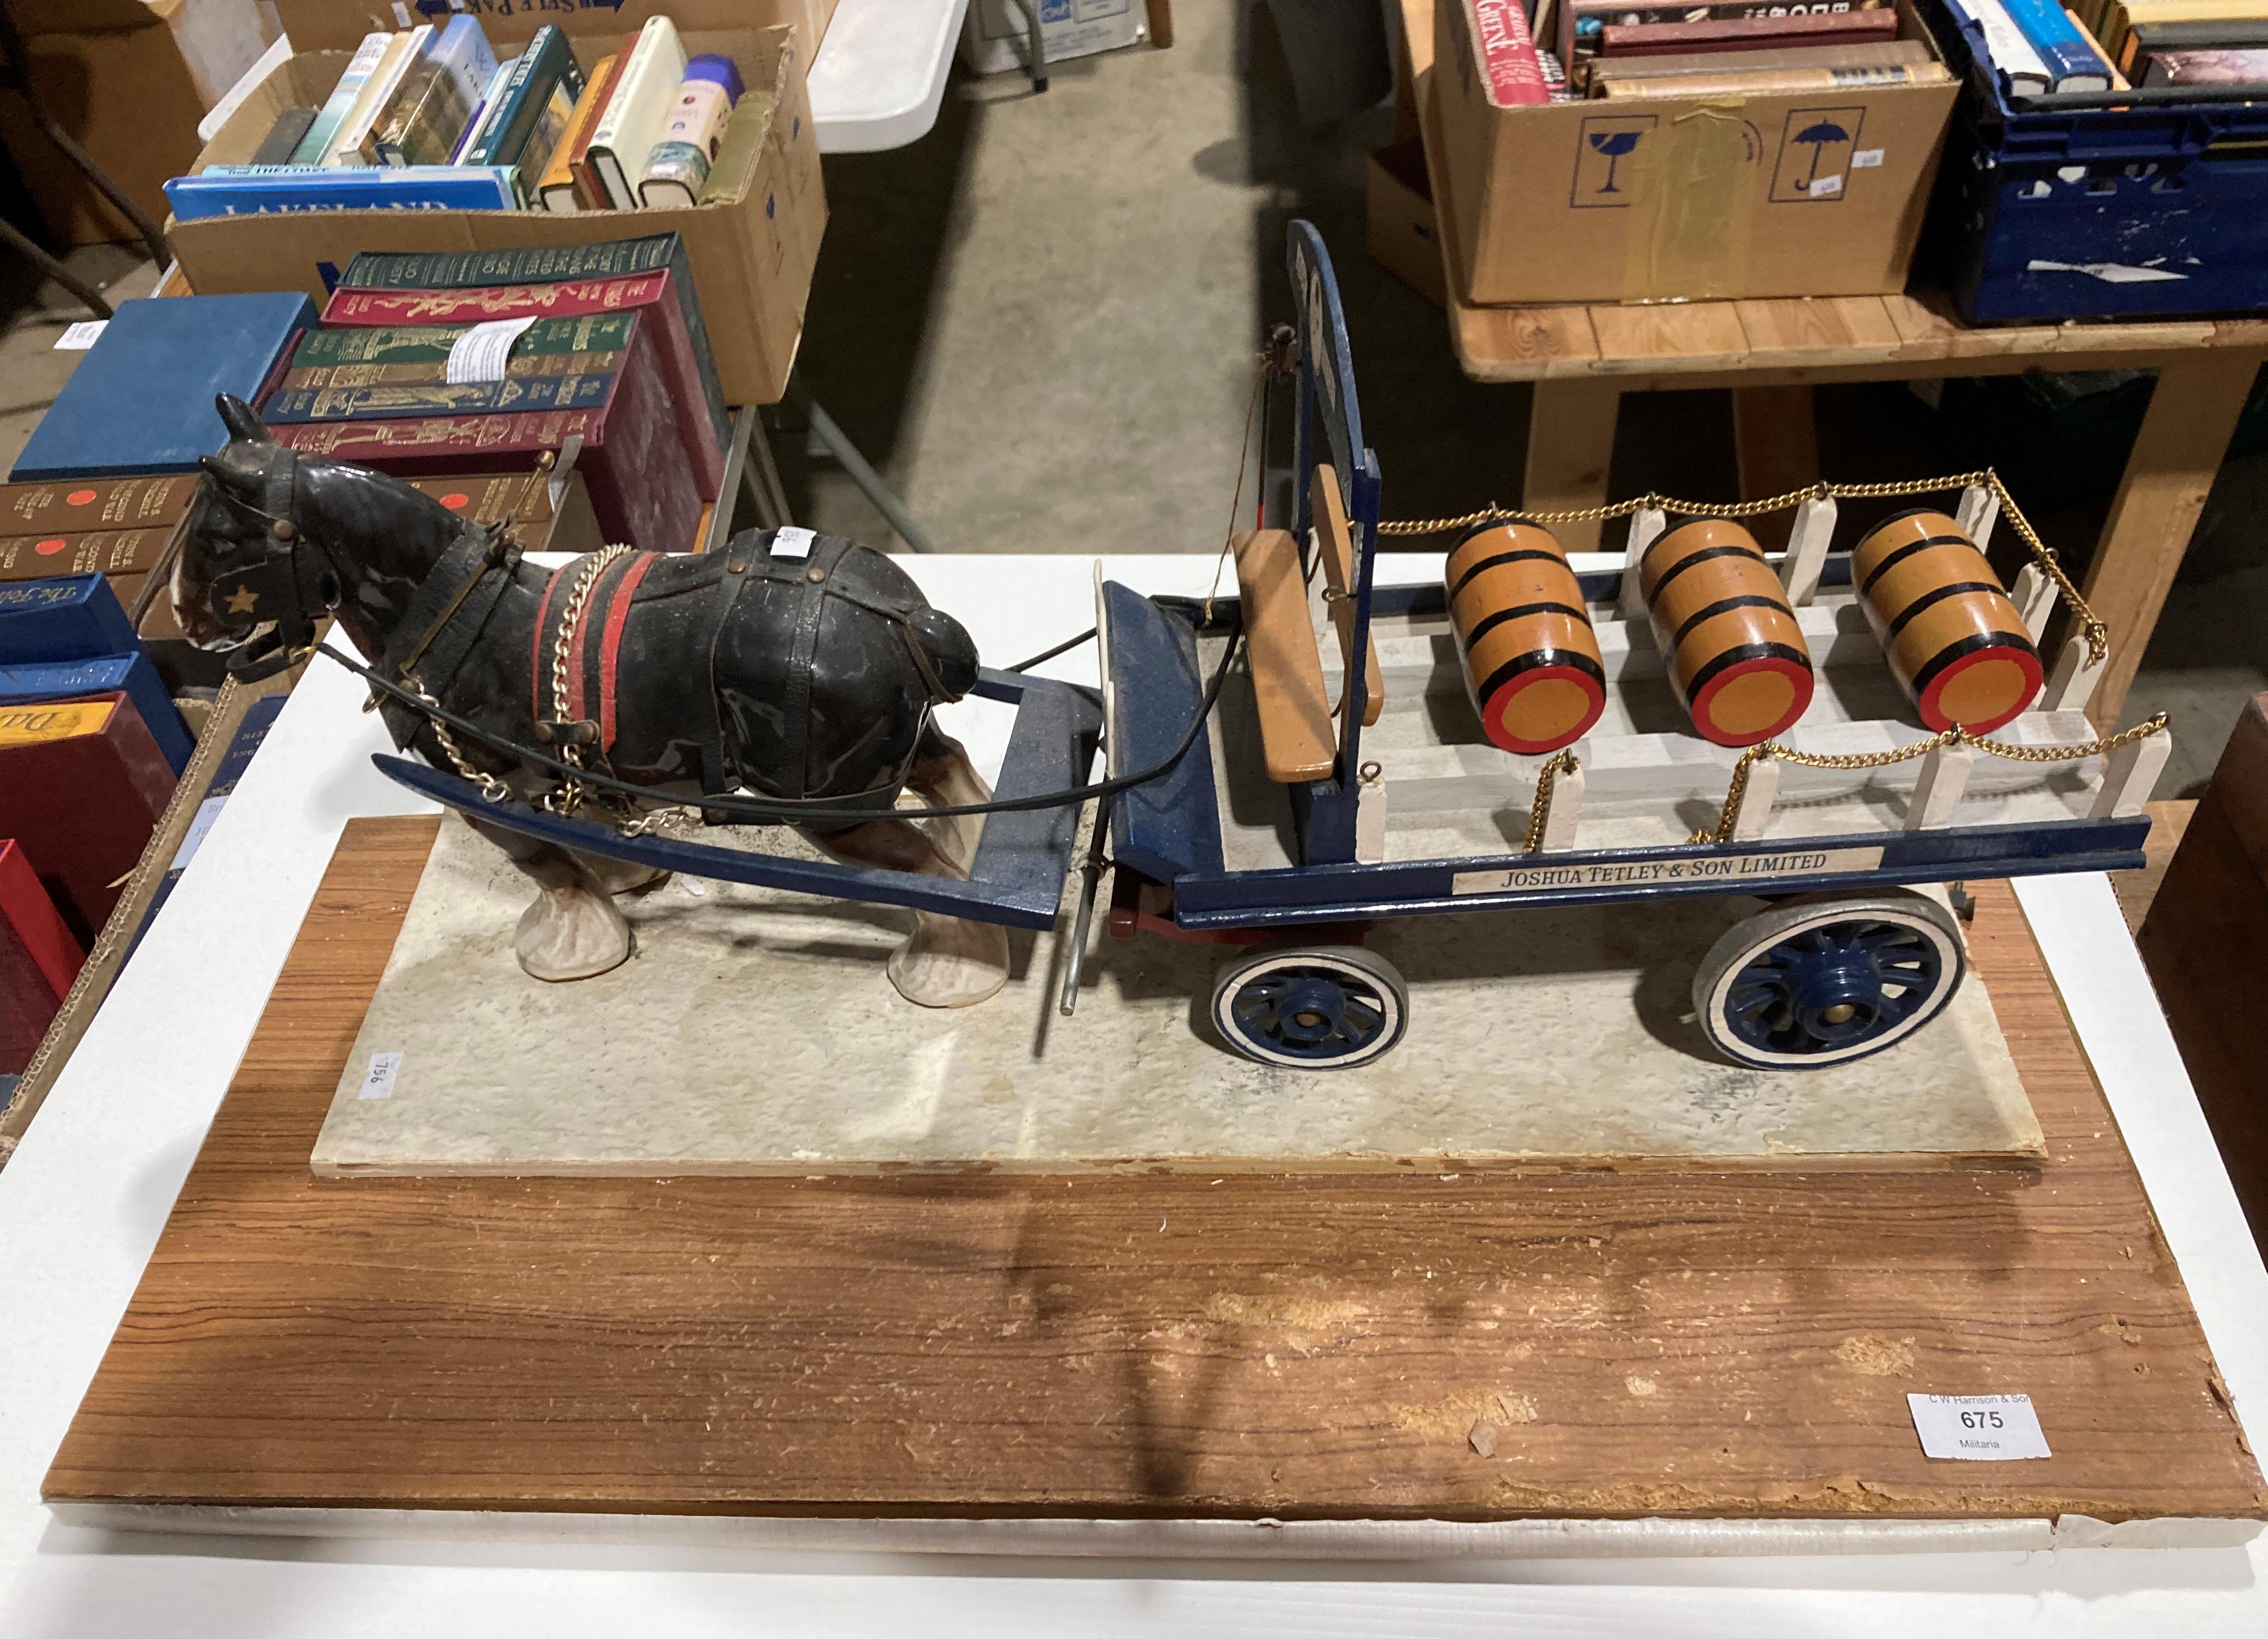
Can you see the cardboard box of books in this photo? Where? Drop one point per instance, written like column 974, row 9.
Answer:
column 753, row 238
column 1812, row 191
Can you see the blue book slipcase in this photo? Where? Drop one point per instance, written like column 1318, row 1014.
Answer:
column 244, row 190
column 142, row 399
column 35, row 681
column 73, row 618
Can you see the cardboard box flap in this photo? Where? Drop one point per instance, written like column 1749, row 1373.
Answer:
column 340, row 25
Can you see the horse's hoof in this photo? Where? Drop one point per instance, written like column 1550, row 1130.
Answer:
column 950, row 961
column 622, row 876
column 572, row 933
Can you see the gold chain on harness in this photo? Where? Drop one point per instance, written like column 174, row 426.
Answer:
column 569, row 797
column 1955, row 735
column 2098, row 635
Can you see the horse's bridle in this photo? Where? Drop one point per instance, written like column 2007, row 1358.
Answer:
column 289, row 585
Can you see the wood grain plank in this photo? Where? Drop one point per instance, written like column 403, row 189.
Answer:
column 1826, row 332
column 1776, row 443
column 1685, row 335
column 1570, row 446
column 1702, row 1344
column 1525, row 343
column 1297, row 740
column 1335, row 537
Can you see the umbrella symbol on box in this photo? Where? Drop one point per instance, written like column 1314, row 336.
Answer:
column 1614, row 144
column 1818, row 137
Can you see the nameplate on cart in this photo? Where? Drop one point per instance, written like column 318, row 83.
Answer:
column 1724, row 868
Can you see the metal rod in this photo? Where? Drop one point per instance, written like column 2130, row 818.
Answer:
column 54, row 268
column 17, row 76
column 869, row 482
column 1035, row 51
column 1090, row 873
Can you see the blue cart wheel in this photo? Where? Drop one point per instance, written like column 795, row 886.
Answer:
column 1824, row 978
column 1310, row 1006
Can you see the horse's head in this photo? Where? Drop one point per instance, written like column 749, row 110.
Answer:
column 247, row 581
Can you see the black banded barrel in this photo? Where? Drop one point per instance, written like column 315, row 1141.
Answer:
column 1732, row 646
column 1956, row 642
column 1531, row 659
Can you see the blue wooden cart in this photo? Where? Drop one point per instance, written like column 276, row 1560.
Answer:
column 1342, row 778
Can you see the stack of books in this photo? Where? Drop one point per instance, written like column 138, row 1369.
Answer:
column 429, row 118
column 1619, row 50
column 430, row 362
column 2184, row 42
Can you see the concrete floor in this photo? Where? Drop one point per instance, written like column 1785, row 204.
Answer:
column 1039, row 323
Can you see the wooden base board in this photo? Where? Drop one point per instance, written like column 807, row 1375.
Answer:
column 1455, row 1348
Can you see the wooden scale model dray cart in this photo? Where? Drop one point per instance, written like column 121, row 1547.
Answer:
column 1822, row 732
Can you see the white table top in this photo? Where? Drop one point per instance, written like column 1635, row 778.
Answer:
column 83, row 1201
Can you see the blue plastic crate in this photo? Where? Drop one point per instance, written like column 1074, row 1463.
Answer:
column 2155, row 209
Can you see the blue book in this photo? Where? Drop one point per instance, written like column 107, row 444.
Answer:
column 35, row 681
column 71, row 617
column 535, row 104
column 249, row 734
column 2072, row 63
column 246, row 190
column 142, row 399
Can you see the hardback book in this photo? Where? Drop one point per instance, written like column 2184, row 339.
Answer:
column 2243, row 65
column 141, row 401
column 490, row 97
column 2146, row 40
column 1577, row 25
column 2118, row 19
column 559, row 190
column 134, row 553
column 1507, row 53
column 68, row 617
column 316, row 146
column 438, row 370
column 437, row 99
column 1748, row 82
column 243, row 746
column 433, row 343
column 632, row 119
column 238, row 190
column 283, row 137
column 396, row 400
column 38, row 957
column 631, row 455
column 532, row 108
column 2023, row 72
column 677, row 166
column 400, row 55
column 745, row 135
column 83, row 784
column 60, row 507
column 693, row 367
column 2073, row 62
column 1606, row 71
column 38, row 681
column 1747, row 33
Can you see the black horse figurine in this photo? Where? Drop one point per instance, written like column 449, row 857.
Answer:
column 801, row 669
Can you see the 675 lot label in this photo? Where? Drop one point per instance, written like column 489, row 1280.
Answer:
column 1978, row 1428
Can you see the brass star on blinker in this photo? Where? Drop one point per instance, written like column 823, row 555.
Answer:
column 243, row 600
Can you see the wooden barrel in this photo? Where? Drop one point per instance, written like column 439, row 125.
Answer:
column 1531, row 659
column 1954, row 642
column 1735, row 651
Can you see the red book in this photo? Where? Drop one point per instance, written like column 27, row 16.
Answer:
column 649, row 292
column 1507, row 53
column 629, row 459
column 1749, row 33
column 82, row 786
column 38, row 959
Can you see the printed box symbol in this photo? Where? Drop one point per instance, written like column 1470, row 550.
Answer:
column 1602, row 180
column 1816, row 152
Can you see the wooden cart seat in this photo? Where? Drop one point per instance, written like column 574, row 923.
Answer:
column 1297, row 741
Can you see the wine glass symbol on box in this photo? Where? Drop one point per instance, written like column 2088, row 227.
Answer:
column 1603, row 167
column 1815, row 150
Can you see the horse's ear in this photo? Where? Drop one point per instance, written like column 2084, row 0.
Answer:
column 241, row 420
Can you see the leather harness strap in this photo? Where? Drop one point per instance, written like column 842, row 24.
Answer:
column 610, row 643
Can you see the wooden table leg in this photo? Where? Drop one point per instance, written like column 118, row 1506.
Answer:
column 1570, row 444
column 1778, row 444
column 2192, row 415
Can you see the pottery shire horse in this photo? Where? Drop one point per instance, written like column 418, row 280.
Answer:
column 805, row 675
